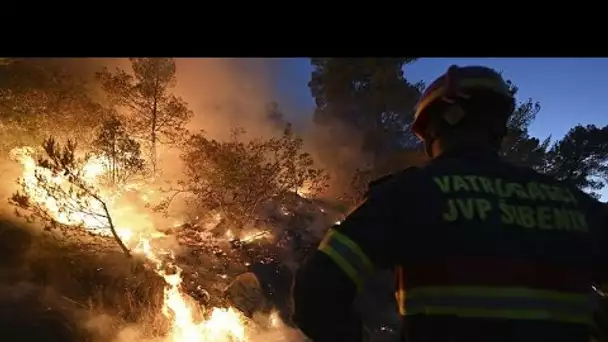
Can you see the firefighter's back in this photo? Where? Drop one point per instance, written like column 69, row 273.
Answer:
column 496, row 252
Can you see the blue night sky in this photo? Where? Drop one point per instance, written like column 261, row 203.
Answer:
column 570, row 90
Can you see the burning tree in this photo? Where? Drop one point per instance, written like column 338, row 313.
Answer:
column 122, row 154
column 56, row 189
column 236, row 178
column 156, row 115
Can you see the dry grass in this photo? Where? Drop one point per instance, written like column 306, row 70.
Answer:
column 60, row 293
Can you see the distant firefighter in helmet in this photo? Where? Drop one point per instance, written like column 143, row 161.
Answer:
column 483, row 250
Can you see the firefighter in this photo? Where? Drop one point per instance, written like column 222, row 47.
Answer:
column 483, row 250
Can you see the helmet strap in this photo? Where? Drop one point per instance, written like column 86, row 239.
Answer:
column 430, row 136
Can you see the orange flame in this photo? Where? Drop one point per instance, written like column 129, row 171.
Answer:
column 220, row 325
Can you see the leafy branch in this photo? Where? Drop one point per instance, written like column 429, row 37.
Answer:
column 237, row 178
column 57, row 191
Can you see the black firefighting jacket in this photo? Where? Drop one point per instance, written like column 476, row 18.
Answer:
column 487, row 251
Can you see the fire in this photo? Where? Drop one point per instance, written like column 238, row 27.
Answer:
column 222, row 325
column 253, row 235
column 92, row 219
column 219, row 325
column 275, row 320
column 304, row 191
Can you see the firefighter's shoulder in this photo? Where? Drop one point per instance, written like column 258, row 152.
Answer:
column 386, row 180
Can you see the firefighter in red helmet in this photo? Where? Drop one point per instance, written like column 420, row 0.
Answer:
column 483, row 250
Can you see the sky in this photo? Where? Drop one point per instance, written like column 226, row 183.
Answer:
column 571, row 91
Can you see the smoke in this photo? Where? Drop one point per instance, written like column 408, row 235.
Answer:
column 222, row 93
column 105, row 328
column 10, row 172
column 226, row 93
column 338, row 149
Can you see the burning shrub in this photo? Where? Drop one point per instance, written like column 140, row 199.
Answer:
column 57, row 190
column 236, row 178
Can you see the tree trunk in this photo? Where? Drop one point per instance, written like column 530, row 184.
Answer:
column 153, row 138
column 154, row 128
column 113, row 161
column 117, row 238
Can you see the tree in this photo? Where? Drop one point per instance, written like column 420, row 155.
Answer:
column 363, row 113
column 369, row 97
column 39, row 98
column 581, row 158
column 518, row 146
column 238, row 178
column 121, row 154
column 156, row 116
column 57, row 192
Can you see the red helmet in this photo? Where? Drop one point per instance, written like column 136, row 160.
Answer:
column 460, row 83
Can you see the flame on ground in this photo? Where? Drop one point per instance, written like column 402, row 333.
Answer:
column 219, row 325
column 222, row 325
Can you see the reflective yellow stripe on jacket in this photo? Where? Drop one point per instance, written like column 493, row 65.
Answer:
column 347, row 255
column 400, row 293
column 499, row 302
